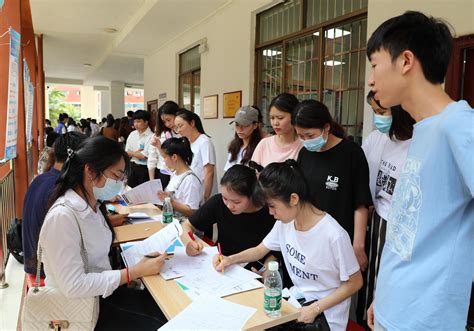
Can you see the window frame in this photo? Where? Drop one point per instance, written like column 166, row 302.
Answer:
column 192, row 72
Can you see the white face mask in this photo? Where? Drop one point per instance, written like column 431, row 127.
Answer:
column 110, row 189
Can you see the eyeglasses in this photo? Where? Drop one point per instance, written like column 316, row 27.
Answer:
column 122, row 178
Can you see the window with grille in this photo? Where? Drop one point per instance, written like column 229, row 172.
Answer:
column 190, row 79
column 314, row 49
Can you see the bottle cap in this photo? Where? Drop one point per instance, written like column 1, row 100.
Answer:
column 273, row 266
column 167, row 199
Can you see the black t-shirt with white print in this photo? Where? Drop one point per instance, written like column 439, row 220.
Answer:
column 339, row 180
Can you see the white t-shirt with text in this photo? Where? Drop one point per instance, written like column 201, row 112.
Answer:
column 318, row 261
column 386, row 158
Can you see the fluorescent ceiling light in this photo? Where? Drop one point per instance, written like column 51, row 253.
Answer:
column 332, row 63
column 333, row 33
column 270, row 52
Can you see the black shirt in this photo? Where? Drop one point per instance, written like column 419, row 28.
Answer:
column 235, row 232
column 339, row 180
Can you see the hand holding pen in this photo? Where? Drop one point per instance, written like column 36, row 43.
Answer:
column 220, row 261
column 193, row 247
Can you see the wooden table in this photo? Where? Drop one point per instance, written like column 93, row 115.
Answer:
column 171, row 298
column 135, row 232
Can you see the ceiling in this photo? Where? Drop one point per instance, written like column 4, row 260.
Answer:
column 74, row 34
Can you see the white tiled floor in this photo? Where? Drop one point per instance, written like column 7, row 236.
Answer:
column 10, row 297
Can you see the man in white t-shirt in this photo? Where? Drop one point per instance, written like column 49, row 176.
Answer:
column 137, row 148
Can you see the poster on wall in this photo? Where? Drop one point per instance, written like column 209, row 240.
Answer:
column 12, row 103
column 29, row 92
column 232, row 103
column 161, row 99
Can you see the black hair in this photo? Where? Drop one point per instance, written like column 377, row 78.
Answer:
column 371, row 97
column 243, row 181
column 189, row 117
column 62, row 117
column 47, row 121
column 280, row 179
column 130, row 113
column 116, row 124
column 236, row 144
column 50, row 137
column 110, row 121
column 85, row 124
column 94, row 121
column 63, row 142
column 428, row 38
column 104, row 120
column 284, row 102
column 180, row 147
column 168, row 108
column 141, row 114
column 402, row 124
column 260, row 116
column 100, row 153
column 124, row 128
column 311, row 114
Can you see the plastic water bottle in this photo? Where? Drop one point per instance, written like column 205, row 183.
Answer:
column 272, row 291
column 167, row 211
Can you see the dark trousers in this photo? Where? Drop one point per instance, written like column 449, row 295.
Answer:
column 139, row 175
column 374, row 243
column 129, row 309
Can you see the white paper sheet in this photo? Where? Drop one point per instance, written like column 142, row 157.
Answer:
column 198, row 274
column 211, row 313
column 144, row 193
column 158, row 242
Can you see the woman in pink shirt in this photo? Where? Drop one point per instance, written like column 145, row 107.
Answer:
column 285, row 143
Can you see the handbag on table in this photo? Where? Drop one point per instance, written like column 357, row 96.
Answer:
column 47, row 308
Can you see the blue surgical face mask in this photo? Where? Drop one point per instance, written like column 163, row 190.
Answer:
column 315, row 144
column 383, row 122
column 110, row 189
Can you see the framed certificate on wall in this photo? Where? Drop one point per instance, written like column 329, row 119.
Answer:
column 210, row 106
column 232, row 103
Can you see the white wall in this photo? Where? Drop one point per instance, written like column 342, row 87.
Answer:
column 458, row 13
column 227, row 66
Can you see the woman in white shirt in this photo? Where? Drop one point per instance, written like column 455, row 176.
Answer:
column 317, row 251
column 386, row 150
column 93, row 174
column 185, row 188
column 247, row 137
column 165, row 129
column 189, row 125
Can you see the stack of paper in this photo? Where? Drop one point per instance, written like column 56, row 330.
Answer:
column 158, row 242
column 144, row 193
column 211, row 313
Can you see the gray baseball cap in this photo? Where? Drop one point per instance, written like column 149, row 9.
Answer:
column 246, row 115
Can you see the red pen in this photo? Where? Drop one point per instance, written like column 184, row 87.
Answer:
column 191, row 235
column 220, row 254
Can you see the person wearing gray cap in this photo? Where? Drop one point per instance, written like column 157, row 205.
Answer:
column 247, row 136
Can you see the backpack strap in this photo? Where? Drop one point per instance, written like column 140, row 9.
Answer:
column 186, row 174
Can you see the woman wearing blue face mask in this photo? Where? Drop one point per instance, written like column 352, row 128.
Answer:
column 336, row 170
column 386, row 150
column 94, row 173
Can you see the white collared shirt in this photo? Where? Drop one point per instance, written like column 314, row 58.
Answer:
column 60, row 240
column 137, row 141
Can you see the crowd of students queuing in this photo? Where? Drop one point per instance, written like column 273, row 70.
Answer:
column 306, row 195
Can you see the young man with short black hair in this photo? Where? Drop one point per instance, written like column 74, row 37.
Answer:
column 425, row 277
column 137, row 148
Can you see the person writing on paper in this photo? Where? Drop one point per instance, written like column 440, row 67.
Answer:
column 185, row 189
column 165, row 129
column 317, row 251
column 240, row 213
column 93, row 174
